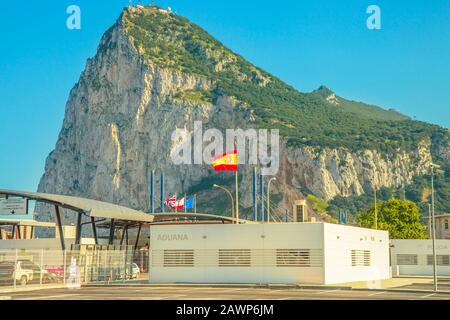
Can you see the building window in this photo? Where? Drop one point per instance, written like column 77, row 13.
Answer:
column 361, row 258
column 407, row 259
column 446, row 224
column 234, row 258
column 178, row 258
column 441, row 260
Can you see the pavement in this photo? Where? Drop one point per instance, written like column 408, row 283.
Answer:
column 397, row 288
column 155, row 292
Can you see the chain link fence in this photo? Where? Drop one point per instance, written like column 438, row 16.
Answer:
column 20, row 268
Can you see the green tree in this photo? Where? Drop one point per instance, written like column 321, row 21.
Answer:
column 400, row 217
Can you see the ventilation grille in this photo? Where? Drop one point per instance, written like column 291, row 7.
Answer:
column 441, row 260
column 178, row 258
column 407, row 259
column 360, row 258
column 234, row 258
column 299, row 258
column 271, row 258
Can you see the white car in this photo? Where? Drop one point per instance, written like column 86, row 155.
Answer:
column 23, row 274
column 135, row 271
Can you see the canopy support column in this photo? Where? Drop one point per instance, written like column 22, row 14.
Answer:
column 78, row 233
column 137, row 238
column 111, row 232
column 59, row 225
column 94, row 230
column 124, row 230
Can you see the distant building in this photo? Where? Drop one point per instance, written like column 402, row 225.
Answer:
column 442, row 226
column 415, row 257
column 168, row 11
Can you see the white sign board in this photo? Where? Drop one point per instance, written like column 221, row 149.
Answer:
column 13, row 206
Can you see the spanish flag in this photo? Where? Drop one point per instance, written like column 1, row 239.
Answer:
column 226, row 162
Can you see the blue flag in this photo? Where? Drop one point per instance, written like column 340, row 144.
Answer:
column 190, row 203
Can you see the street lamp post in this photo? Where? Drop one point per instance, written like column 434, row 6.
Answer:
column 429, row 220
column 433, row 227
column 232, row 200
column 376, row 209
column 268, row 198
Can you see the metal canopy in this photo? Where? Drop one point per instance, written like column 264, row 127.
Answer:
column 93, row 208
column 174, row 218
column 27, row 222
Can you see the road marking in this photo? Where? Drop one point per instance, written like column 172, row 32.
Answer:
column 232, row 290
column 49, row 297
column 287, row 298
column 328, row 291
column 376, row 293
column 428, row 295
column 172, row 296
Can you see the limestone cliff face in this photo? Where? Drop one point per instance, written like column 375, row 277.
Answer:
column 332, row 172
column 119, row 120
column 120, row 117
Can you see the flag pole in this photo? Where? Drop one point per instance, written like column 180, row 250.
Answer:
column 185, row 210
column 237, row 185
column 195, row 203
column 176, row 200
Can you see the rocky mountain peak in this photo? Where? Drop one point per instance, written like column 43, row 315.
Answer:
column 156, row 72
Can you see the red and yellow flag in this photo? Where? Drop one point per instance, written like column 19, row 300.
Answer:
column 226, row 162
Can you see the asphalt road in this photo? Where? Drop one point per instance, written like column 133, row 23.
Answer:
column 215, row 293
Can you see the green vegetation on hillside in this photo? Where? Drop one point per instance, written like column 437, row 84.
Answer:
column 194, row 96
column 173, row 42
column 361, row 109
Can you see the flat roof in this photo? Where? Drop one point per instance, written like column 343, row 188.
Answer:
column 445, row 215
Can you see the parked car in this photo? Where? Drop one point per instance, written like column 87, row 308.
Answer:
column 8, row 269
column 47, row 277
column 57, row 271
column 132, row 272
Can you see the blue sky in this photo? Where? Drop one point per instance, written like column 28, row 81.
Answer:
column 405, row 65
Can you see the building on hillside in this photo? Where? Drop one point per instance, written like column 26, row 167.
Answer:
column 442, row 226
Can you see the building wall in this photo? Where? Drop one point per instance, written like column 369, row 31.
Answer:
column 442, row 226
column 34, row 244
column 414, row 257
column 355, row 254
column 255, row 253
column 46, row 244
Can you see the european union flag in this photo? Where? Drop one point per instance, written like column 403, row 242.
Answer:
column 190, row 203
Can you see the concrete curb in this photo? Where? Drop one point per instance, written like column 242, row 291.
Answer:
column 301, row 287
column 256, row 286
column 27, row 289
